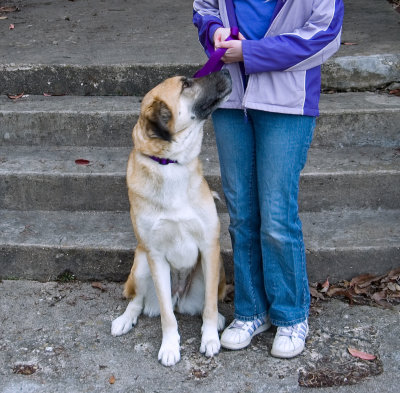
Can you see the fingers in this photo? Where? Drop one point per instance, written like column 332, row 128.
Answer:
column 234, row 51
column 221, row 34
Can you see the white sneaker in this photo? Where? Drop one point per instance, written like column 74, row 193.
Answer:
column 239, row 333
column 290, row 340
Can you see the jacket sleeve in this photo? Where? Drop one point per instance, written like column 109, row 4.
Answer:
column 302, row 49
column 207, row 19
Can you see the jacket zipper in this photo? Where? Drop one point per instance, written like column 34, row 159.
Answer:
column 250, row 78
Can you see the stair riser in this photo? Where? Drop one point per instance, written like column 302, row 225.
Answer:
column 95, row 129
column 358, row 129
column 102, row 80
column 45, row 264
column 66, row 129
column 109, row 193
column 340, row 73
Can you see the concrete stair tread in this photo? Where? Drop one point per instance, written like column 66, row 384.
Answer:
column 328, row 229
column 77, row 235
column 106, row 161
column 71, row 104
column 120, row 34
column 347, row 119
column 83, row 50
column 330, row 103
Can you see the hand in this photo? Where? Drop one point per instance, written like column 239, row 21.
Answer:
column 234, row 53
column 221, row 34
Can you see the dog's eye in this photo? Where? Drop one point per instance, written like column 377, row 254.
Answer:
column 186, row 83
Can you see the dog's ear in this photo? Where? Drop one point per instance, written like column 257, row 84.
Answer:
column 159, row 115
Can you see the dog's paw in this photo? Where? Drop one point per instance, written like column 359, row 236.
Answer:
column 122, row 325
column 169, row 354
column 221, row 322
column 210, row 347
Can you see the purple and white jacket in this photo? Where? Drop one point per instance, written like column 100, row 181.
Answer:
column 284, row 67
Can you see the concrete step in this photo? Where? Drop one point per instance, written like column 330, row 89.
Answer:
column 62, row 331
column 81, row 49
column 37, row 178
column 41, row 245
column 346, row 119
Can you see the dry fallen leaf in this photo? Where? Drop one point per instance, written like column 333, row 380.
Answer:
column 9, row 9
column 395, row 92
column 25, row 369
column 54, row 94
column 394, row 274
column 314, row 293
column 112, row 380
column 2, row 17
column 11, row 97
column 349, row 43
column 361, row 279
column 11, row 26
column 81, row 161
column 359, row 354
column 325, row 286
column 378, row 296
column 98, row 285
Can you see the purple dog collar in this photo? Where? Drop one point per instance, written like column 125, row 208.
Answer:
column 163, row 161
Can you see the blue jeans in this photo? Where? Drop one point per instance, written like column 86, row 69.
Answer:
column 261, row 160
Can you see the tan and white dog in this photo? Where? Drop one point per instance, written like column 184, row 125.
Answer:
column 177, row 264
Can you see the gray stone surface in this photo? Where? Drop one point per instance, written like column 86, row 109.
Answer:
column 124, row 48
column 41, row 245
column 355, row 177
column 120, row 47
column 64, row 330
column 347, row 119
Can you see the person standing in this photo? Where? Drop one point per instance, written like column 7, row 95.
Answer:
column 263, row 133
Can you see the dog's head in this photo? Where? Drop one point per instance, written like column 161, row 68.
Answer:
column 173, row 113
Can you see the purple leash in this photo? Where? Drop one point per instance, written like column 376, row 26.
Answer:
column 215, row 63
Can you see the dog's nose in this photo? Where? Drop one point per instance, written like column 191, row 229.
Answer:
column 225, row 72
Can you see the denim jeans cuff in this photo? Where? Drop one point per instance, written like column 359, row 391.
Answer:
column 277, row 322
column 252, row 318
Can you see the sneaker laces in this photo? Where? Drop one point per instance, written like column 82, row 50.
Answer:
column 285, row 331
column 297, row 330
column 240, row 324
column 249, row 326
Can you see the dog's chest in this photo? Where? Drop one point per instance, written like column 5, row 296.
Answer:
column 178, row 238
column 174, row 221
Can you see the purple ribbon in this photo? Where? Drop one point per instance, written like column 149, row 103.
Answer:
column 215, row 63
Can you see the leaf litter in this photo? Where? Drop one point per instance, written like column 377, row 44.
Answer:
column 7, row 9
column 362, row 360
column 365, row 289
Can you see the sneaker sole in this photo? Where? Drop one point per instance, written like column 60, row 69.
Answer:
column 245, row 343
column 288, row 355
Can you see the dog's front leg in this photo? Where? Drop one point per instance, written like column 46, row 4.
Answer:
column 210, row 344
column 169, row 352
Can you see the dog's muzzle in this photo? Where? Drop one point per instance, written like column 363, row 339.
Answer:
column 214, row 89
